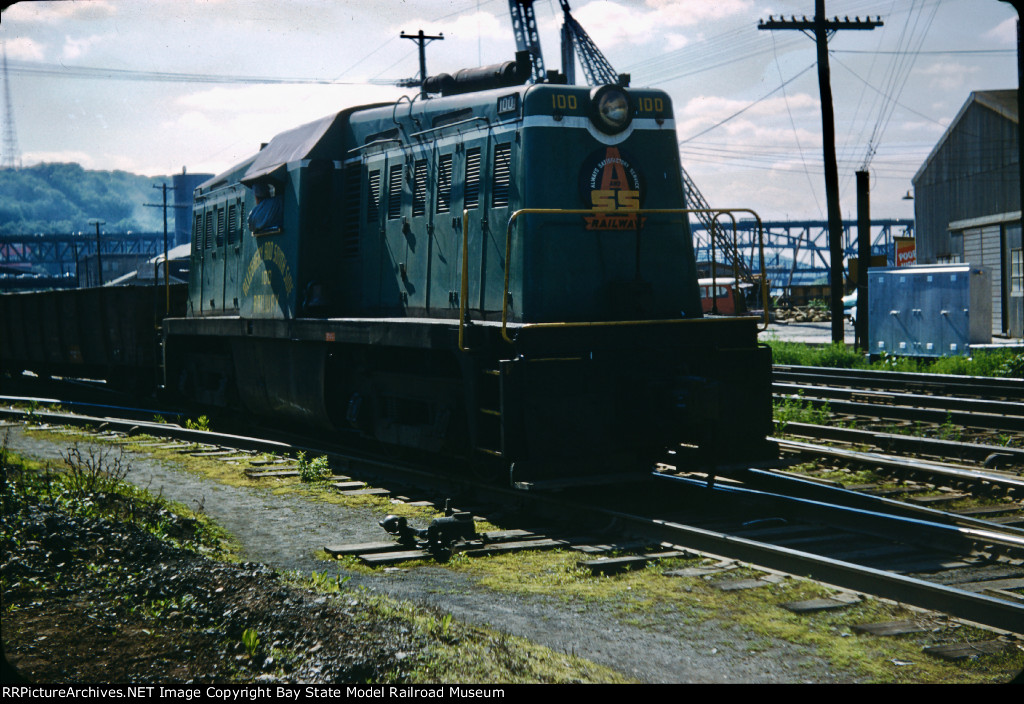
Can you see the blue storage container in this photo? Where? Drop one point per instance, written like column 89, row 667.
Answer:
column 929, row 311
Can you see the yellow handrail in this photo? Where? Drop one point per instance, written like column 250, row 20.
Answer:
column 586, row 211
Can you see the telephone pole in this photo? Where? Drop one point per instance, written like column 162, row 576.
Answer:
column 99, row 251
column 422, row 40
column 821, row 30
column 167, row 283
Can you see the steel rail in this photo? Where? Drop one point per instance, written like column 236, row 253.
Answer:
column 938, row 416
column 967, row 385
column 873, row 515
column 795, row 486
column 86, row 404
column 903, row 463
column 906, row 443
column 909, row 400
column 351, row 461
column 972, row 606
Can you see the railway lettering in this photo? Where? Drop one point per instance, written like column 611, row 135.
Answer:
column 508, row 103
column 601, row 199
column 268, row 254
column 655, row 105
column 610, row 183
column 562, row 101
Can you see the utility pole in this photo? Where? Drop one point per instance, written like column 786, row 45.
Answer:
column 167, row 283
column 422, row 40
column 99, row 250
column 863, row 257
column 1017, row 5
column 821, row 30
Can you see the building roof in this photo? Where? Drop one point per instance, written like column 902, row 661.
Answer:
column 1002, row 102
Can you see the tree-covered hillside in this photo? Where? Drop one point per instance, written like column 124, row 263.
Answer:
column 52, row 198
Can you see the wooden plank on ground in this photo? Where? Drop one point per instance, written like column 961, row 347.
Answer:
column 515, row 546
column 392, row 558
column 993, row 585
column 363, row 548
column 589, row 545
column 889, row 628
column 732, row 585
column 367, row 492
column 347, row 486
column 611, row 565
column 264, row 473
column 987, row 510
column 814, row 605
column 499, row 536
column 936, row 499
column 702, row 570
column 966, row 651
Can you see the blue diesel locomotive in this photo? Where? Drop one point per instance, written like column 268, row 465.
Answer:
column 501, row 275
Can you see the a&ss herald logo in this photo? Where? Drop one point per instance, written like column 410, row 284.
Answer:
column 613, row 188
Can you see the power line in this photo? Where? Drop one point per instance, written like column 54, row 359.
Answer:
column 31, row 68
column 821, row 29
column 745, row 108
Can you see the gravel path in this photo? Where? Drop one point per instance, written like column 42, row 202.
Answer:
column 284, row 531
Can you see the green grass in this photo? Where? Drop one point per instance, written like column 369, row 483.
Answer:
column 995, row 363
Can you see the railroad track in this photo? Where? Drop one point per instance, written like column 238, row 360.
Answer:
column 890, row 402
column 973, row 568
column 991, row 388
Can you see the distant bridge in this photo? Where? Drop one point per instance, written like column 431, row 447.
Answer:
column 796, row 251
column 57, row 254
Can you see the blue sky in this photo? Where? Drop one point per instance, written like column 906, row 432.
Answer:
column 88, row 80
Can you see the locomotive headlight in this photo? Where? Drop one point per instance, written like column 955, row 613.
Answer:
column 611, row 107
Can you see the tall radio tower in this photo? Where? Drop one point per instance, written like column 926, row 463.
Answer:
column 10, row 157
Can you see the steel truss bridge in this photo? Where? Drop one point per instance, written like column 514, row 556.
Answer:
column 58, row 253
column 795, row 251
column 52, row 260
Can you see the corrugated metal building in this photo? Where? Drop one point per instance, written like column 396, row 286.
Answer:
column 967, row 201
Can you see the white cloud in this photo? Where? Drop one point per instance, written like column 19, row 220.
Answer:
column 685, row 13
column 612, row 23
column 706, row 110
column 948, row 75
column 675, row 41
column 76, row 47
column 313, row 101
column 58, row 12
column 470, row 26
column 24, row 48
column 224, row 125
column 1004, row 33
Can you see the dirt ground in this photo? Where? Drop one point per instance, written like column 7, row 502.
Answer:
column 206, row 602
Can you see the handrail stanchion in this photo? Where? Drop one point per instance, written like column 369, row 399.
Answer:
column 464, row 287
column 589, row 211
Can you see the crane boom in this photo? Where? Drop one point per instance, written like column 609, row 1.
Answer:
column 524, row 26
column 596, row 67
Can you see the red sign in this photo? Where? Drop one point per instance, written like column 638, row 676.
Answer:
column 906, row 252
